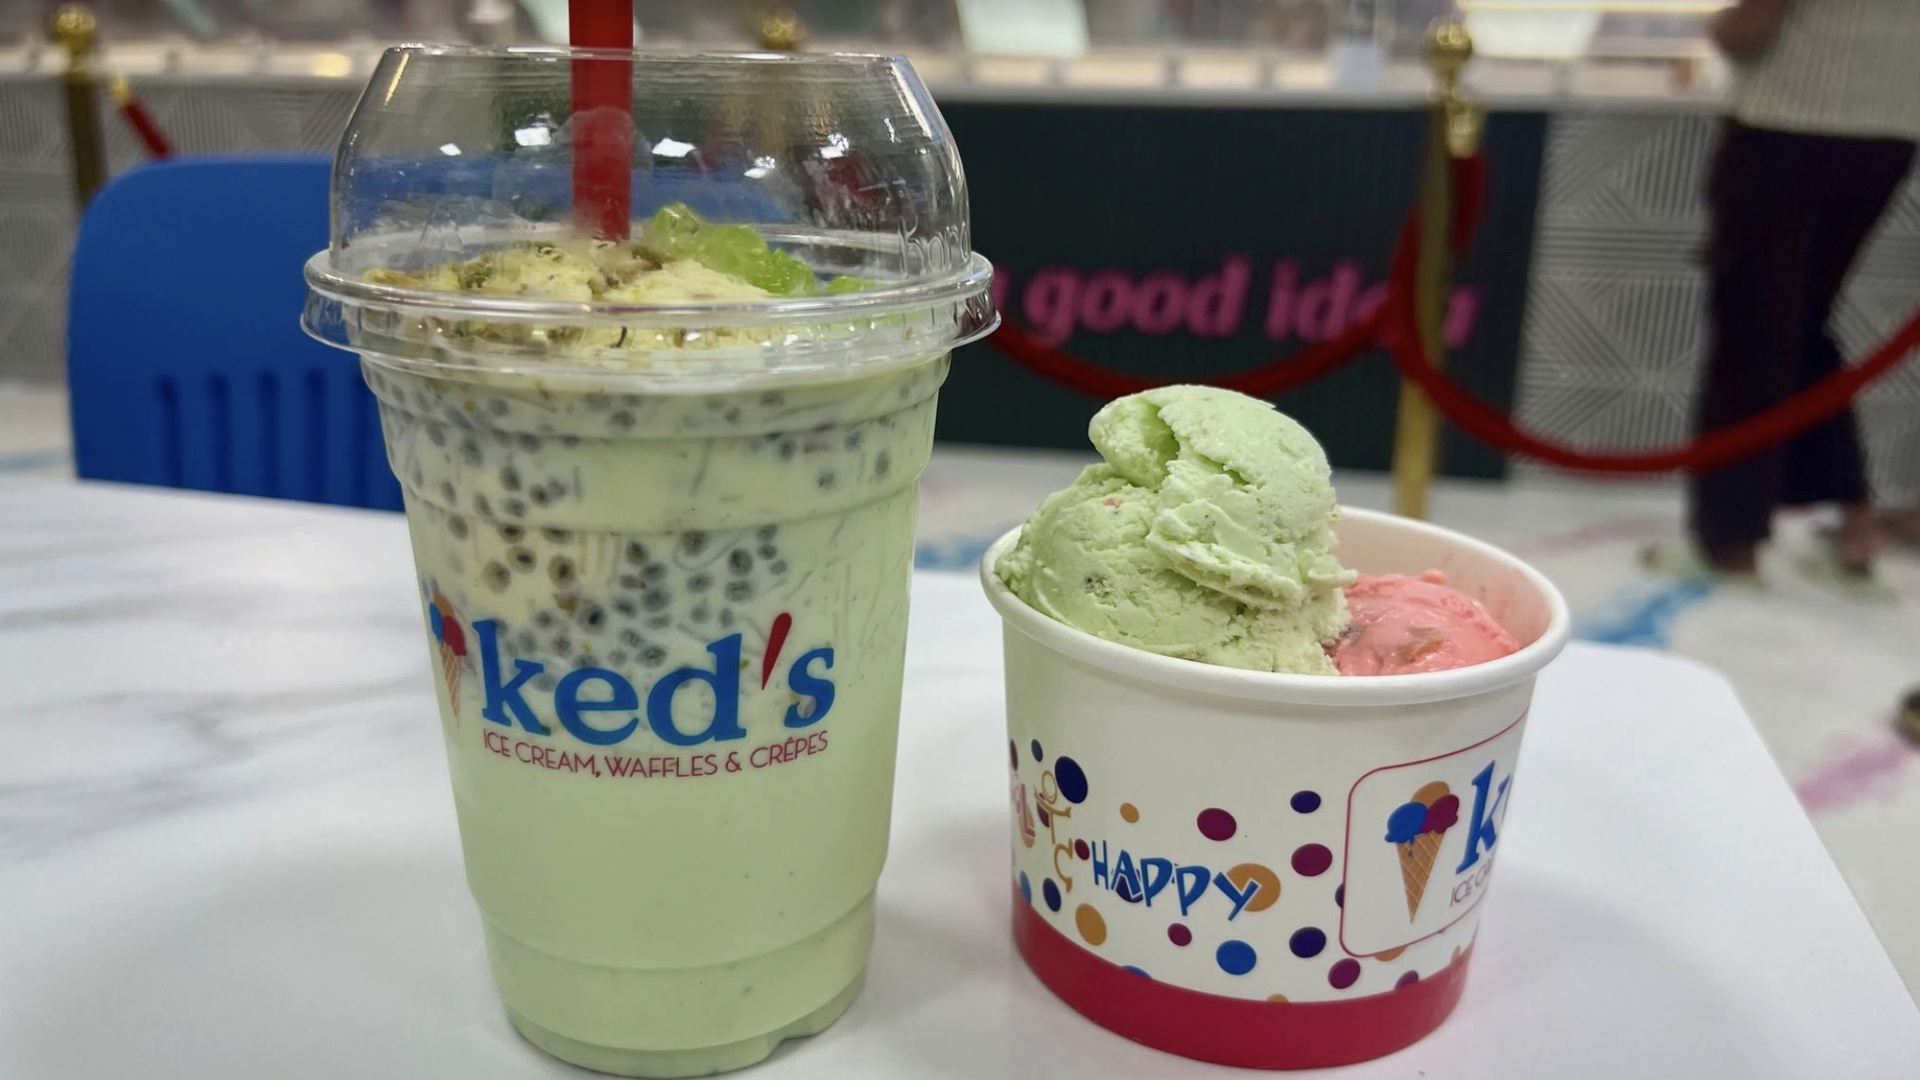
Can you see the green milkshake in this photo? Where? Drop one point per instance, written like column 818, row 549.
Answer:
column 661, row 494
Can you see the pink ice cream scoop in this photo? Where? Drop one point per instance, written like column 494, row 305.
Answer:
column 1405, row 625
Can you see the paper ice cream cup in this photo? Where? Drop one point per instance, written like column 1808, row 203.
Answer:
column 1262, row 870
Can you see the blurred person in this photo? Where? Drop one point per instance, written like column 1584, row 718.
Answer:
column 1210, row 20
column 1291, row 24
column 1402, row 26
column 921, row 22
column 1824, row 113
column 1126, row 22
column 1305, row 25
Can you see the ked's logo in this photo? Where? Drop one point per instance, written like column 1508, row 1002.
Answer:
column 601, row 707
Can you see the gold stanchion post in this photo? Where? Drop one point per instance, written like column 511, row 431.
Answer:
column 1453, row 131
column 776, row 29
column 74, row 28
column 780, row 30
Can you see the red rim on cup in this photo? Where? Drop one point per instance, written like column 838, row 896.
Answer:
column 1262, row 870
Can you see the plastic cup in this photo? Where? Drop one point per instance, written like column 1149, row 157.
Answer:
column 663, row 548
column 1269, row 871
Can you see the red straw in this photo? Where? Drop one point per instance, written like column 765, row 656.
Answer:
column 602, row 117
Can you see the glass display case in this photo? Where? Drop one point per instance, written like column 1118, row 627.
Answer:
column 1120, row 44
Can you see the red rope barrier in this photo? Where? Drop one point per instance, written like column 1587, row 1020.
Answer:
column 1395, row 326
column 1267, row 380
column 135, row 113
column 1710, row 451
column 146, row 129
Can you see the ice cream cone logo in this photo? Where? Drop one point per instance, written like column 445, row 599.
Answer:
column 453, row 645
column 1415, row 829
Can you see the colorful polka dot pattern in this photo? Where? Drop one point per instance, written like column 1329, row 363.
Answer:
column 1217, row 824
column 1235, row 957
column 1312, row 860
column 1072, row 780
column 1092, row 927
column 1262, row 887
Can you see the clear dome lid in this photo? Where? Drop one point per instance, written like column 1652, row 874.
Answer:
column 783, row 214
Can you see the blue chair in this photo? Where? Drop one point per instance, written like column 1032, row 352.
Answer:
column 185, row 358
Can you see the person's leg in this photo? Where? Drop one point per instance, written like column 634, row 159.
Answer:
column 1825, row 463
column 1902, row 525
column 1761, row 227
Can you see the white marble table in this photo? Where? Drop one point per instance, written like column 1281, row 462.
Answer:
column 227, row 849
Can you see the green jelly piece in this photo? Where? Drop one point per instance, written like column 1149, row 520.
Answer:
column 676, row 232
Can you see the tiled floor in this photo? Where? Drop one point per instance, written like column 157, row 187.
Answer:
column 1825, row 716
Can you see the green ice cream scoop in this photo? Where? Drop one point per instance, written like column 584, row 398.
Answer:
column 1207, row 535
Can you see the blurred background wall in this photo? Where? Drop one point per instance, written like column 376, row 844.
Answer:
column 1589, row 320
